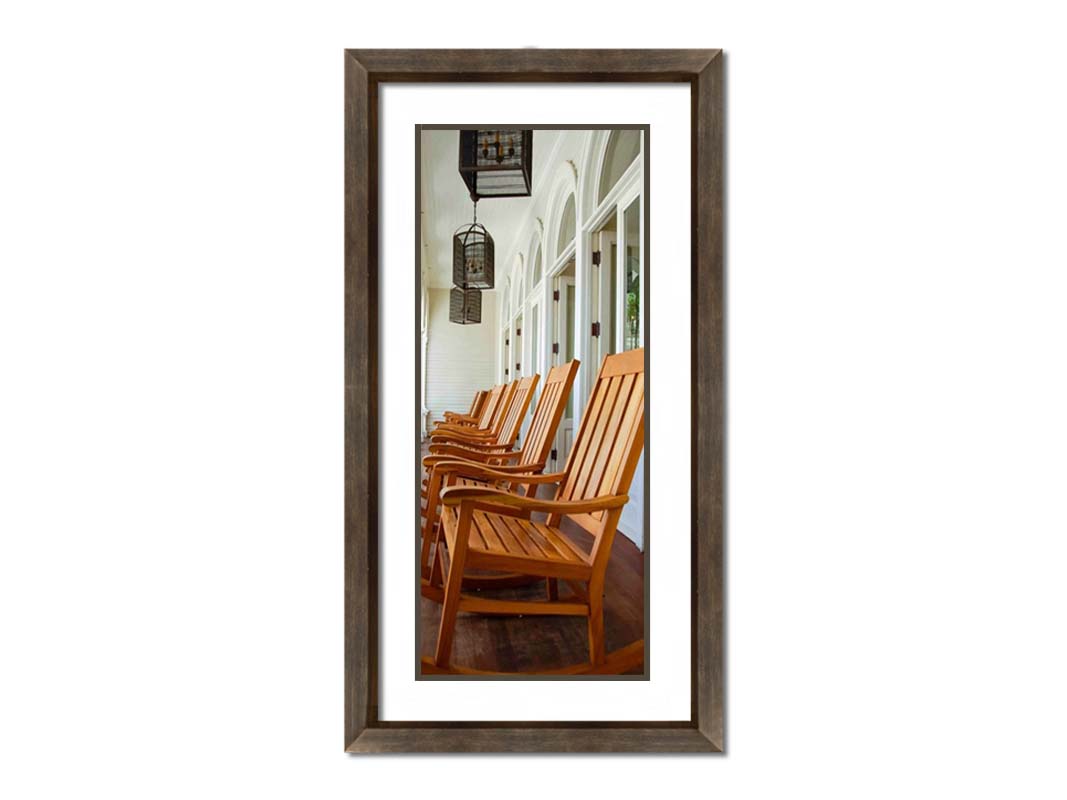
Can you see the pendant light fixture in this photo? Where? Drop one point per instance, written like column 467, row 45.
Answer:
column 472, row 256
column 465, row 306
column 497, row 163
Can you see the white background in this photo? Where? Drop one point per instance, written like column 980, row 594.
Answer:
column 666, row 694
column 170, row 375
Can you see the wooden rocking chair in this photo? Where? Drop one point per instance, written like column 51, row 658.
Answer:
column 475, row 411
column 514, row 404
column 530, row 460
column 488, row 528
column 490, row 422
column 486, row 418
column 479, row 399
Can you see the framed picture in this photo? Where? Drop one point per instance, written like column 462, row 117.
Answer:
column 533, row 400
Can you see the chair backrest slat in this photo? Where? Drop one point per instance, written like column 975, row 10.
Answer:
column 476, row 404
column 610, row 437
column 502, row 407
column 519, row 404
column 491, row 403
column 549, row 412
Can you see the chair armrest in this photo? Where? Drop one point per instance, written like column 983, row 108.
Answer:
column 477, row 469
column 446, row 451
column 453, row 415
column 479, row 449
column 466, row 427
column 454, row 426
column 462, row 437
column 489, row 448
column 504, row 472
column 455, row 495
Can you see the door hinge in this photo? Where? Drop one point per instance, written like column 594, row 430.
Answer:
column 505, row 370
column 555, row 295
column 507, row 342
column 518, row 331
column 554, row 454
column 596, row 329
column 518, row 368
column 555, row 348
column 596, row 258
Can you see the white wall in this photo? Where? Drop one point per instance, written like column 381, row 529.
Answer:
column 172, row 488
column 460, row 359
column 632, row 521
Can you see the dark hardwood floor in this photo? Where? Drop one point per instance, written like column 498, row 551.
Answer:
column 533, row 643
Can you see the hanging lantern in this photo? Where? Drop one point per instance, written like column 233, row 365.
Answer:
column 465, row 306
column 472, row 256
column 496, row 163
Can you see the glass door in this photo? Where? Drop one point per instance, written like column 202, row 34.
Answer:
column 516, row 348
column 505, row 356
column 534, row 361
column 563, row 351
column 603, row 294
column 631, row 332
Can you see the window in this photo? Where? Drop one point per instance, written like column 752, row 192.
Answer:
column 568, row 347
column 566, row 227
column 516, row 348
column 623, row 147
column 535, row 348
column 517, row 290
column 631, row 331
column 536, row 266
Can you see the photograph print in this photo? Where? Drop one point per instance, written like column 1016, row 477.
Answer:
column 532, row 431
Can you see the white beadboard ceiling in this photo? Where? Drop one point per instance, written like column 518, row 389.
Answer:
column 446, row 203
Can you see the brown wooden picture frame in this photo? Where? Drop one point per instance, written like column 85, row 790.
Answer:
column 365, row 71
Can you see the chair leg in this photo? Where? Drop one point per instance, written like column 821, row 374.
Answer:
column 453, row 588
column 437, row 570
column 596, row 623
column 425, row 562
column 433, row 491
